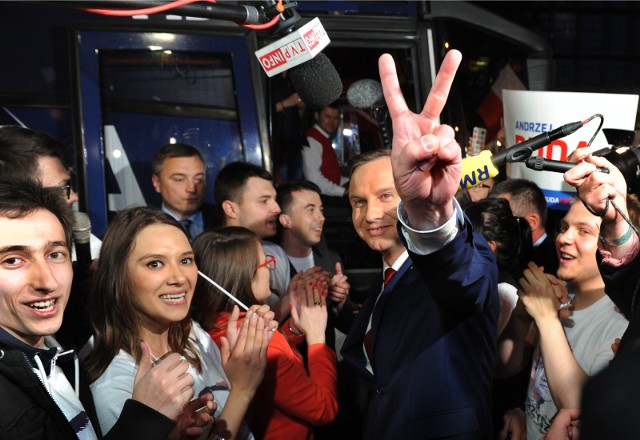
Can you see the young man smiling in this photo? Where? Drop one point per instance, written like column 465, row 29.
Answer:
column 302, row 220
column 570, row 348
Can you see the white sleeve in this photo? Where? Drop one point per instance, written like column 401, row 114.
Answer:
column 311, row 161
column 112, row 389
column 427, row 242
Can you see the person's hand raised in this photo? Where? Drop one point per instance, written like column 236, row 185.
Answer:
column 426, row 159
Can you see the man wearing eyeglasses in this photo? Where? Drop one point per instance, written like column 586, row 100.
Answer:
column 26, row 152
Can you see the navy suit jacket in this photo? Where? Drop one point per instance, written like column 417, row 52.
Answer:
column 434, row 345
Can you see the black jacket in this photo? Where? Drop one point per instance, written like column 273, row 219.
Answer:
column 28, row 412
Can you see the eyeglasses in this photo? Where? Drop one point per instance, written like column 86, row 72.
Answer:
column 270, row 263
column 66, row 189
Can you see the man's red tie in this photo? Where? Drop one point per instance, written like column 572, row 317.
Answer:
column 368, row 343
column 388, row 274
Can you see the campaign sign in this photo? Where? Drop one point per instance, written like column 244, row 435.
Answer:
column 529, row 113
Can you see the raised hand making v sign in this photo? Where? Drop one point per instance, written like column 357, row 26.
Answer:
column 426, row 158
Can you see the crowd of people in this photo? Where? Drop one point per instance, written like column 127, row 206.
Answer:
column 234, row 320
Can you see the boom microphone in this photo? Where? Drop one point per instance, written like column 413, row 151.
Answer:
column 316, row 81
column 484, row 166
column 366, row 94
column 311, row 73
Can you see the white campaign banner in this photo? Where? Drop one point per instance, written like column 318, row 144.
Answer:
column 529, row 113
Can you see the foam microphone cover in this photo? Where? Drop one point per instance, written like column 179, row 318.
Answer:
column 365, row 93
column 82, row 228
column 316, row 81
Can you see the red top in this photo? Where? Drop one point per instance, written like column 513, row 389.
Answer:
column 290, row 400
column 330, row 168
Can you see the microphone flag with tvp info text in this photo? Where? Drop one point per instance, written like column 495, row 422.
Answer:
column 311, row 73
column 530, row 113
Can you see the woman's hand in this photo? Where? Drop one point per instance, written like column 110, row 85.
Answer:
column 309, row 309
column 244, row 363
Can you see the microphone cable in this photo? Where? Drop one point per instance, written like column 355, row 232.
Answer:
column 176, row 4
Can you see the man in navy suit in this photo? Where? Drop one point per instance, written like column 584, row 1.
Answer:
column 179, row 177
column 425, row 338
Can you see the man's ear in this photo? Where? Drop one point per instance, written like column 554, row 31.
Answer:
column 493, row 245
column 534, row 221
column 155, row 180
column 230, row 209
column 285, row 221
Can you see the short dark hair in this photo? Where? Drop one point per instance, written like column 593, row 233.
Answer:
column 525, row 196
column 363, row 158
column 22, row 197
column 284, row 196
column 334, row 105
column 173, row 150
column 21, row 147
column 231, row 179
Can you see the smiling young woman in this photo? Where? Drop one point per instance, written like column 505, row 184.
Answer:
column 139, row 310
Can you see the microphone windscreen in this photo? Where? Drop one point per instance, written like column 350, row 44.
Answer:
column 476, row 169
column 316, row 81
column 365, row 93
column 82, row 228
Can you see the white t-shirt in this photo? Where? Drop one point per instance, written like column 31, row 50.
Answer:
column 590, row 333
column 302, row 264
column 115, row 386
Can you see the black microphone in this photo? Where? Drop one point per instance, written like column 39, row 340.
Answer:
column 366, row 94
column 316, row 81
column 484, row 166
column 81, row 240
column 539, row 163
column 523, row 150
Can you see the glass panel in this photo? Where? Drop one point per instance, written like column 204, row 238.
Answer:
column 151, row 98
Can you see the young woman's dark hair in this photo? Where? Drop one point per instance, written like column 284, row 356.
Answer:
column 115, row 321
column 223, row 255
